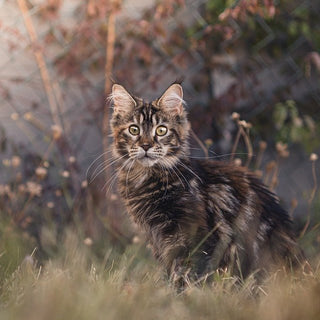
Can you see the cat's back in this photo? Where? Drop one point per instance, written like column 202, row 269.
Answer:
column 237, row 188
column 247, row 213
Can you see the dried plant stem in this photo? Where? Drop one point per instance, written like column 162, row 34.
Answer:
column 201, row 144
column 245, row 134
column 41, row 62
column 110, row 42
column 236, row 142
column 312, row 195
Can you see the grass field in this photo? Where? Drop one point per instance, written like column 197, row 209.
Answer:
column 76, row 283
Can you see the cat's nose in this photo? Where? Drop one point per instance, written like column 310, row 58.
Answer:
column 146, row 146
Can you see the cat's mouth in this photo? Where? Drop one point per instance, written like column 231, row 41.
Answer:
column 148, row 160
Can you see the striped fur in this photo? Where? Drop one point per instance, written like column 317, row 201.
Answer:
column 198, row 215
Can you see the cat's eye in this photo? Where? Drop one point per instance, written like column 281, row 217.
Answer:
column 134, row 130
column 161, row 130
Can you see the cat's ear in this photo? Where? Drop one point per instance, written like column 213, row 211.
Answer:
column 122, row 100
column 172, row 100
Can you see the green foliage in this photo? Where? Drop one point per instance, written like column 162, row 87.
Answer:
column 293, row 128
column 14, row 247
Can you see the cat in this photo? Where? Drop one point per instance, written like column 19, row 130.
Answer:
column 198, row 215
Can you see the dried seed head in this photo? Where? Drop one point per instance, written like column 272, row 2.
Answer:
column 208, row 143
column 313, row 157
column 14, row 116
column 113, row 197
column 237, row 162
column 270, row 166
column 22, row 188
column 50, row 205
column 235, row 116
column 136, row 240
column 243, row 123
column 72, row 159
column 262, row 145
column 282, row 149
column 5, row 190
column 27, row 116
column 84, row 184
column 34, row 188
column 15, row 161
column 41, row 172
column 88, row 242
column 56, row 132
column 46, row 164
column 65, row 174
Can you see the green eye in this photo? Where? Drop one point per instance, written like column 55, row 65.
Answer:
column 134, row 130
column 161, row 130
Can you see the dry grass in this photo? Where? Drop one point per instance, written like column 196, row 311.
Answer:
column 76, row 284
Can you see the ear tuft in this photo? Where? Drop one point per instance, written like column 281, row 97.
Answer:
column 122, row 100
column 172, row 100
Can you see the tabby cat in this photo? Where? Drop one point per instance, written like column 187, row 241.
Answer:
column 198, row 215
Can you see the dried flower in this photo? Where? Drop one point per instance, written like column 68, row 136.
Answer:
column 50, row 205
column 65, row 174
column 282, row 149
column 208, row 143
column 262, row 145
column 237, row 162
column 84, row 184
column 244, row 124
column 15, row 161
column 88, row 242
column 235, row 116
column 72, row 159
column 22, row 188
column 313, row 157
column 56, row 132
column 270, row 166
column 27, row 116
column 136, row 240
column 34, row 188
column 46, row 164
column 58, row 193
column 113, row 197
column 41, row 172
column 4, row 189
column 14, row 116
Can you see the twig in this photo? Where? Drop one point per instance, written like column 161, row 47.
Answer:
column 110, row 42
column 313, row 158
column 41, row 62
column 236, row 142
column 247, row 141
column 203, row 147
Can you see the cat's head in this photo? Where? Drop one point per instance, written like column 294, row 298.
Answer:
column 149, row 132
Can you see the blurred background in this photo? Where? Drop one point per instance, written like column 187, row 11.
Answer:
column 58, row 58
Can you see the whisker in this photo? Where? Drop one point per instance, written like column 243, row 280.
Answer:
column 128, row 176
column 94, row 161
column 114, row 176
column 103, row 163
column 107, row 166
column 190, row 170
column 173, row 167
